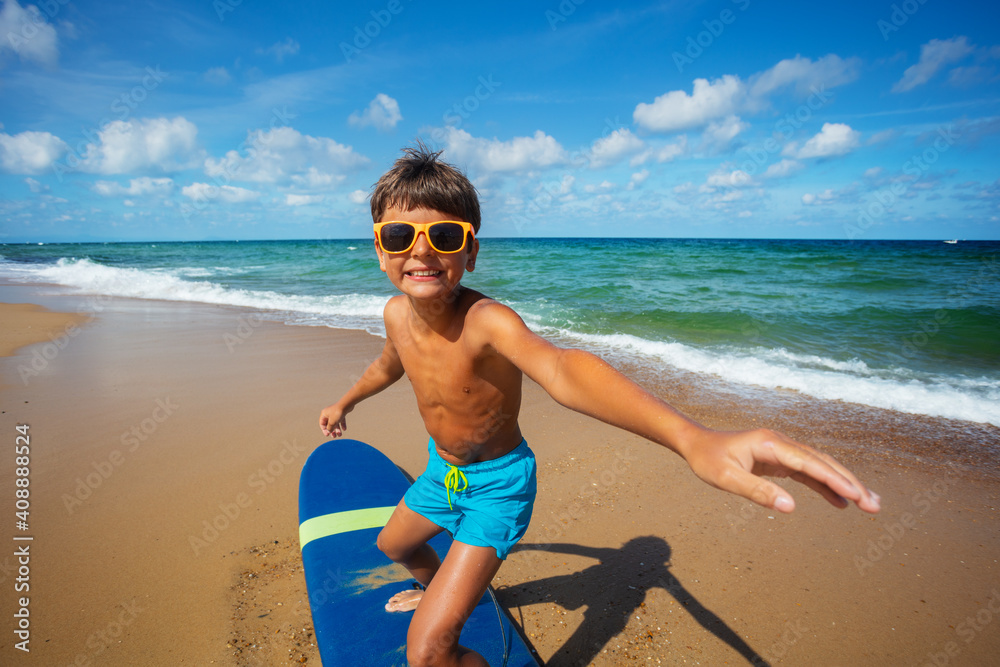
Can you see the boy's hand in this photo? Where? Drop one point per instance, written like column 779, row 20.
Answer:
column 332, row 421
column 736, row 462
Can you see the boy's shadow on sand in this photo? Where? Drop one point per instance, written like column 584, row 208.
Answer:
column 612, row 591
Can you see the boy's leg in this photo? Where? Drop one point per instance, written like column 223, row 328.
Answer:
column 455, row 591
column 404, row 540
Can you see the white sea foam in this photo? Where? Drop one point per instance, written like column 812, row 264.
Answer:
column 351, row 311
column 969, row 399
column 966, row 398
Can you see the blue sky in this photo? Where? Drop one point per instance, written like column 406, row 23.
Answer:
column 241, row 119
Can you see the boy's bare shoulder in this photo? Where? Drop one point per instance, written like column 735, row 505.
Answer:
column 483, row 307
column 489, row 318
column 394, row 307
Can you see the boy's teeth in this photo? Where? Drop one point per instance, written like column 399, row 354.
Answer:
column 424, row 273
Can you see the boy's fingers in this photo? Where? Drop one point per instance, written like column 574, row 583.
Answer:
column 332, row 428
column 761, row 491
column 766, row 493
column 820, row 472
column 335, row 430
column 831, row 496
column 791, row 458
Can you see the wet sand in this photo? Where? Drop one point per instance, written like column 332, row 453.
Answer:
column 167, row 439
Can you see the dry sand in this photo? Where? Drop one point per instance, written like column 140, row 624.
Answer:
column 167, row 439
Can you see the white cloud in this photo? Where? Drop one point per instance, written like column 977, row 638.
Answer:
column 29, row 152
column 665, row 153
column 604, row 186
column 314, row 179
column 726, row 197
column 302, row 200
column 728, row 96
column 133, row 145
column 35, row 186
column 26, row 32
column 358, row 197
column 934, row 55
column 824, row 197
column 719, row 134
column 676, row 110
column 227, row 193
column 784, row 168
column 279, row 50
column 382, row 113
column 608, row 150
column 136, row 187
column 492, row 155
column 805, row 75
column 722, row 178
column 284, row 154
column 637, row 179
column 832, row 140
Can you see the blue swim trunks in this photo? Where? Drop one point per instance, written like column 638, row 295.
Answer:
column 484, row 504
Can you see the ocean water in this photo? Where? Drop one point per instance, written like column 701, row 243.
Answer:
column 910, row 326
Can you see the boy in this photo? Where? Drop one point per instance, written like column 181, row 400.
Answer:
column 465, row 355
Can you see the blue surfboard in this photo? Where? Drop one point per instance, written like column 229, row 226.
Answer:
column 347, row 492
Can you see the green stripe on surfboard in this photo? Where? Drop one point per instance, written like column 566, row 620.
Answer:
column 342, row 522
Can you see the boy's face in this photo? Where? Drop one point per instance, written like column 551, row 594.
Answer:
column 421, row 272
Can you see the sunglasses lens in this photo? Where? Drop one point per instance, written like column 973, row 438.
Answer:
column 396, row 237
column 447, row 236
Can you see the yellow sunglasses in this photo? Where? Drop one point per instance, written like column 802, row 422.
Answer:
column 444, row 236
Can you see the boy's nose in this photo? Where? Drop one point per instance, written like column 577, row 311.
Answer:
column 421, row 246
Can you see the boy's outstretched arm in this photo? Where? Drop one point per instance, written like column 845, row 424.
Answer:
column 380, row 374
column 732, row 461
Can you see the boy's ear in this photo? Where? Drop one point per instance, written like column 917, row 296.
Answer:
column 470, row 263
column 381, row 258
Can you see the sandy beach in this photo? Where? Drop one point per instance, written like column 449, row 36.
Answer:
column 166, row 441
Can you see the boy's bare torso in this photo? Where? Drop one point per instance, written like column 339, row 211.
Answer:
column 468, row 395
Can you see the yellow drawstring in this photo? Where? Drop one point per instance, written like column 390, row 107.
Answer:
column 451, row 480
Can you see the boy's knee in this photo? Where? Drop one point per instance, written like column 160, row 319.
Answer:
column 383, row 545
column 418, row 656
column 429, row 650
column 389, row 548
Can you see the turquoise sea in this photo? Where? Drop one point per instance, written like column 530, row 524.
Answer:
column 910, row 326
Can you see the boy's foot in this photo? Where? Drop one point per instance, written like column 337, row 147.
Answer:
column 404, row 600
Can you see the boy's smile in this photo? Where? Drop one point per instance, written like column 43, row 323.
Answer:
column 421, row 272
column 423, row 275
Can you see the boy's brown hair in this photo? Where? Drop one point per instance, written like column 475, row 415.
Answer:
column 420, row 180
